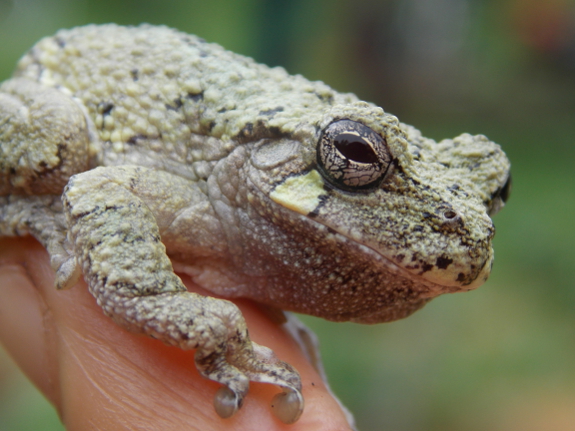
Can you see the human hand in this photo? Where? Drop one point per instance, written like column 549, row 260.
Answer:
column 99, row 376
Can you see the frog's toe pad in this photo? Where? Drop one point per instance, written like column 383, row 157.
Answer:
column 287, row 406
column 226, row 402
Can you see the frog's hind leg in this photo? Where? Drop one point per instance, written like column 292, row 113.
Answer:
column 116, row 216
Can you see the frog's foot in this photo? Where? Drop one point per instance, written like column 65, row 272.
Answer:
column 63, row 262
column 67, row 271
column 256, row 363
column 287, row 405
column 42, row 217
column 216, row 329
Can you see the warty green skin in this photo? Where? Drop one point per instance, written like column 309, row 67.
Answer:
column 182, row 146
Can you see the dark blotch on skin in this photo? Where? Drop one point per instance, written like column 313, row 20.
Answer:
column 454, row 187
column 259, row 130
column 133, row 140
column 78, row 216
column 196, row 97
column 443, row 262
column 426, row 267
column 134, row 73
column 328, row 99
column 247, row 130
column 177, row 104
column 106, row 108
column 315, row 212
column 271, row 112
column 275, row 131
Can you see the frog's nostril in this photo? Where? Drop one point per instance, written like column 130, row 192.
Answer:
column 449, row 214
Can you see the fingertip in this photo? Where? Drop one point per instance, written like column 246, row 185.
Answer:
column 26, row 324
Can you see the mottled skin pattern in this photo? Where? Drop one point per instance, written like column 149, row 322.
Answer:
column 119, row 144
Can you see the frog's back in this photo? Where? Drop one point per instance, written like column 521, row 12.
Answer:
column 155, row 93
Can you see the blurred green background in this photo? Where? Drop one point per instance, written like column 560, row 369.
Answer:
column 499, row 358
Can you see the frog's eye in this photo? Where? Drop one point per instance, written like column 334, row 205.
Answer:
column 499, row 198
column 352, row 155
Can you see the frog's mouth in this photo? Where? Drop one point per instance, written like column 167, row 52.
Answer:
column 306, row 195
column 436, row 277
column 430, row 281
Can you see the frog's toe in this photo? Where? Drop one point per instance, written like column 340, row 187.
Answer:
column 255, row 363
column 230, row 397
column 67, row 273
column 288, row 406
column 226, row 402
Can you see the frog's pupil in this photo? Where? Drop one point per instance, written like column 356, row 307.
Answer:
column 355, row 148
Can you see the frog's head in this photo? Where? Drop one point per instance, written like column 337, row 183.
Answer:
column 403, row 218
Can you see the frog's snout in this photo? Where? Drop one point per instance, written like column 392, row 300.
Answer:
column 450, row 277
column 461, row 257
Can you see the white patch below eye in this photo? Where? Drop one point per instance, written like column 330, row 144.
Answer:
column 300, row 194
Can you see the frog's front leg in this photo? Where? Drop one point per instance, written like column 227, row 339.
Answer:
column 115, row 216
column 45, row 137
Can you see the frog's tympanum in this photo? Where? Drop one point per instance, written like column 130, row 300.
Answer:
column 123, row 150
